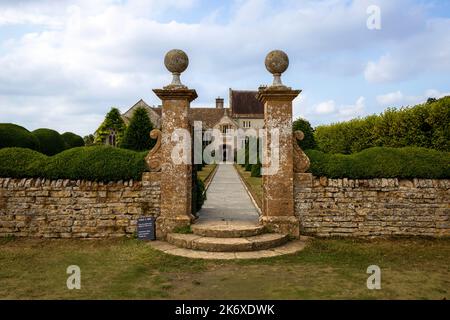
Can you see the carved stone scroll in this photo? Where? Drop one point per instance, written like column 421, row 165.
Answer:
column 301, row 160
column 153, row 158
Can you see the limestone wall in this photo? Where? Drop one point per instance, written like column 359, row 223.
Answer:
column 76, row 209
column 374, row 207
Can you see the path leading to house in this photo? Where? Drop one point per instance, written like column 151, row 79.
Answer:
column 227, row 200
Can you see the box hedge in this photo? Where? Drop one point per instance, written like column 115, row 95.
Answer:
column 50, row 141
column 382, row 162
column 72, row 140
column 12, row 135
column 96, row 163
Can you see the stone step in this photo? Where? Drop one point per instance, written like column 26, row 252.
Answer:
column 290, row 247
column 227, row 231
column 213, row 244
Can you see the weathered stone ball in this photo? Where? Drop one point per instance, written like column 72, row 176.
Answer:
column 176, row 61
column 277, row 61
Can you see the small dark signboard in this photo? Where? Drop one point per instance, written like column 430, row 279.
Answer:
column 146, row 228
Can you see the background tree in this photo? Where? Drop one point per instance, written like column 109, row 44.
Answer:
column 89, row 140
column 113, row 121
column 308, row 141
column 137, row 134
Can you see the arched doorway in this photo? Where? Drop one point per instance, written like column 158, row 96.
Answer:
column 226, row 153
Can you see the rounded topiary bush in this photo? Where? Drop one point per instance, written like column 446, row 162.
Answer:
column 72, row 140
column 103, row 163
column 50, row 141
column 382, row 162
column 21, row 163
column 12, row 135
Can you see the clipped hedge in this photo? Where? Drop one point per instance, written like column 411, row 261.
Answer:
column 72, row 140
column 426, row 125
column 50, row 141
column 97, row 163
column 12, row 135
column 382, row 162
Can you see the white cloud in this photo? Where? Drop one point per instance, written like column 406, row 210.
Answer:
column 337, row 112
column 325, row 107
column 426, row 51
column 390, row 98
column 397, row 98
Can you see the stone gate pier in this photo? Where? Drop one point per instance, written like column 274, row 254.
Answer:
column 176, row 178
column 278, row 151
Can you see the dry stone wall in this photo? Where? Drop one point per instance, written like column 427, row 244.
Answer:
column 372, row 207
column 76, row 209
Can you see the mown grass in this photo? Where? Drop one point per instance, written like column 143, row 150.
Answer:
column 130, row 269
column 254, row 184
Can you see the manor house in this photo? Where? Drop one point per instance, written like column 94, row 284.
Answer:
column 245, row 112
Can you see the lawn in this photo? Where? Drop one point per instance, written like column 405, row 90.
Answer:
column 129, row 269
column 205, row 173
column 254, row 184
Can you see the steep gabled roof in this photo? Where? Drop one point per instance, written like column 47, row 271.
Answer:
column 209, row 116
column 244, row 103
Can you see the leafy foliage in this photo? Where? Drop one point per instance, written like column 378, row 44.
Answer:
column 113, row 121
column 137, row 134
column 425, row 125
column 308, row 141
column 72, row 140
column 12, row 135
column 50, row 141
column 382, row 162
column 89, row 140
column 96, row 163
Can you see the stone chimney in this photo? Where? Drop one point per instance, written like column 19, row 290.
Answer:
column 219, row 103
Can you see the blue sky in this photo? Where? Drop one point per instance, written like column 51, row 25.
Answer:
column 64, row 64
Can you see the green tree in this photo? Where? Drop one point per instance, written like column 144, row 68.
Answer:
column 308, row 141
column 113, row 123
column 137, row 134
column 89, row 140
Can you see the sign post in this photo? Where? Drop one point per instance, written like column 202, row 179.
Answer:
column 146, row 228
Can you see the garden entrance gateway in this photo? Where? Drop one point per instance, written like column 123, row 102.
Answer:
column 228, row 225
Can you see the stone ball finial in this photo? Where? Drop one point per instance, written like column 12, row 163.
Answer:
column 277, row 62
column 176, row 61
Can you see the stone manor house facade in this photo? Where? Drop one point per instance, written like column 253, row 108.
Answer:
column 244, row 112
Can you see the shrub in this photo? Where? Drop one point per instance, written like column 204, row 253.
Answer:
column 21, row 163
column 256, row 170
column 382, row 162
column 137, row 134
column 308, row 141
column 12, row 135
column 72, row 140
column 96, row 163
column 198, row 195
column 50, row 141
column 425, row 125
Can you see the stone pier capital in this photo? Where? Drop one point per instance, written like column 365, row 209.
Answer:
column 277, row 93
column 169, row 93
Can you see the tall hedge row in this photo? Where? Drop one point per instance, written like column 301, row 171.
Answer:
column 426, row 125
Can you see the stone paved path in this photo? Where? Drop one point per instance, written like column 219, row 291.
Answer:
column 227, row 200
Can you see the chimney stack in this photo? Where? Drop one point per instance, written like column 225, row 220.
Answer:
column 219, row 103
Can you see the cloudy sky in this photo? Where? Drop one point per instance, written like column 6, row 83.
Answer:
column 64, row 64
